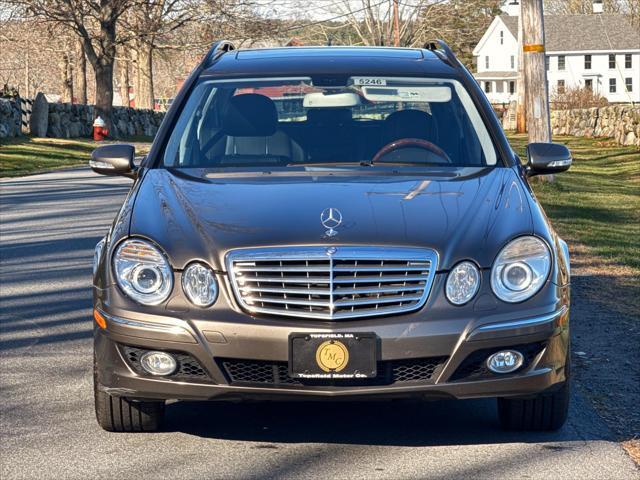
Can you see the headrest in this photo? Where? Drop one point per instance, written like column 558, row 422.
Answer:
column 329, row 116
column 409, row 124
column 250, row 115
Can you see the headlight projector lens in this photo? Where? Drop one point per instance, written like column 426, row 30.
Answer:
column 142, row 271
column 521, row 269
column 158, row 363
column 505, row 361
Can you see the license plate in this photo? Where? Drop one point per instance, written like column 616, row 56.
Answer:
column 332, row 356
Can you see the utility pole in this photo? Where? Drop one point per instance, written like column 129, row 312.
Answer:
column 521, row 111
column 396, row 25
column 535, row 72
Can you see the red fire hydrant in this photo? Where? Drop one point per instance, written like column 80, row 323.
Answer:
column 100, row 130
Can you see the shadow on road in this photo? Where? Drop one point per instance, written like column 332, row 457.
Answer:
column 388, row 423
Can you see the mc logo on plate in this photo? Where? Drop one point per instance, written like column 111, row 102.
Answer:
column 332, row 356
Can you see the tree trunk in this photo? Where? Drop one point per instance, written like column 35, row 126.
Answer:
column 81, row 74
column 144, row 76
column 123, row 70
column 104, row 92
column 66, row 74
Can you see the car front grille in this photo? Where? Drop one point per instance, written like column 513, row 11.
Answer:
column 271, row 373
column 332, row 283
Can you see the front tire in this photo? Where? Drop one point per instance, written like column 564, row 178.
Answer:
column 120, row 414
column 547, row 411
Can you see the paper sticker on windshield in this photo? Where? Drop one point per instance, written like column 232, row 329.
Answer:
column 369, row 81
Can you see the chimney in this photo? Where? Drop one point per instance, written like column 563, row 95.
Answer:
column 512, row 8
column 597, row 6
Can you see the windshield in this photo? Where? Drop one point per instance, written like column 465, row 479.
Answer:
column 291, row 121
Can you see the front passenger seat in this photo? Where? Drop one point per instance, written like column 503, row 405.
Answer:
column 250, row 123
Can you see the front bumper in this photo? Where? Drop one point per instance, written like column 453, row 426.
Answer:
column 455, row 344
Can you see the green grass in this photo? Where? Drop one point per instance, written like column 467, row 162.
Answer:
column 597, row 202
column 25, row 155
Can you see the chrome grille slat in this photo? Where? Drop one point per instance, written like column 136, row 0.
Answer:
column 302, row 291
column 376, row 300
column 342, row 268
column 352, row 282
column 285, row 279
column 302, row 268
column 378, row 279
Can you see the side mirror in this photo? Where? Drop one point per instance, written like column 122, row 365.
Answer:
column 547, row 158
column 114, row 160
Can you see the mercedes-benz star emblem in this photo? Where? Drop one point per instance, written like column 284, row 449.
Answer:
column 331, row 219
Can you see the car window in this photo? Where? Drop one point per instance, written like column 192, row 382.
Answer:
column 292, row 121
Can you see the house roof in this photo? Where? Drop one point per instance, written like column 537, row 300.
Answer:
column 490, row 75
column 566, row 33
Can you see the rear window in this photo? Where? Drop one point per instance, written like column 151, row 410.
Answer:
column 291, row 121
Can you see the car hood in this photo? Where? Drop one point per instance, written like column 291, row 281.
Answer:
column 466, row 213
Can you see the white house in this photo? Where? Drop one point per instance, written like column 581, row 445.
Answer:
column 598, row 51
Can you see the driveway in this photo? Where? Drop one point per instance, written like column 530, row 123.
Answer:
column 48, row 226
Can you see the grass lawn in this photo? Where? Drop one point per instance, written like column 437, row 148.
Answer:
column 25, row 155
column 597, row 202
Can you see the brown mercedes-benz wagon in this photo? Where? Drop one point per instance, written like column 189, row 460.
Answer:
column 331, row 223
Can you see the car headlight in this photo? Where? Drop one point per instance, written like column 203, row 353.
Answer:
column 462, row 283
column 199, row 284
column 521, row 269
column 142, row 271
column 97, row 253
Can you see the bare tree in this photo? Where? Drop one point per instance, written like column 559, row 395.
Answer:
column 368, row 22
column 147, row 23
column 461, row 23
column 94, row 21
column 81, row 73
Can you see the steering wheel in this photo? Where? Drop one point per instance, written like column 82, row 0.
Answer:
column 410, row 142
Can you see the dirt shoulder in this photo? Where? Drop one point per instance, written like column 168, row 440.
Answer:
column 605, row 323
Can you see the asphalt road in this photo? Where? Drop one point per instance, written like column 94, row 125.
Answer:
column 48, row 226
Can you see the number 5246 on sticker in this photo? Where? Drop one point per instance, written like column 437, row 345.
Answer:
column 369, row 81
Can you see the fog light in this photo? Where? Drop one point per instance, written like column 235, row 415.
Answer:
column 158, row 363
column 505, row 361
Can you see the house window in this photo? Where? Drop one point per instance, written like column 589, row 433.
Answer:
column 486, row 62
column 513, row 61
column 612, row 61
column 627, row 60
column 512, row 87
column 612, row 85
column 588, row 84
column 628, row 84
column 487, row 87
column 501, row 37
column 587, row 62
column 560, row 86
column 561, row 62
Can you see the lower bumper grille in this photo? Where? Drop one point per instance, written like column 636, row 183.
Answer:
column 266, row 373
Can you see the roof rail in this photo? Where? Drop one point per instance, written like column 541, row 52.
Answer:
column 216, row 51
column 440, row 48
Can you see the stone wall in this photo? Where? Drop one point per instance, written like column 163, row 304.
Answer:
column 10, row 119
column 67, row 120
column 620, row 122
